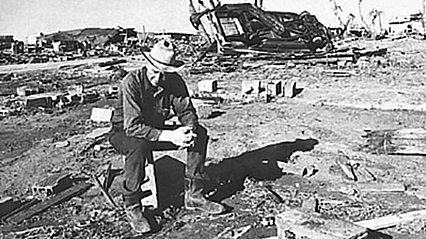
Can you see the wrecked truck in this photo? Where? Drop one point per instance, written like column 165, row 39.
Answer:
column 245, row 27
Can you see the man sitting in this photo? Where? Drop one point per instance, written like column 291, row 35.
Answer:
column 146, row 98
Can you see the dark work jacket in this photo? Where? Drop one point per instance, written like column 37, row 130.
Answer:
column 142, row 108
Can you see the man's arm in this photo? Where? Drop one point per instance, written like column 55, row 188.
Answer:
column 134, row 123
column 182, row 102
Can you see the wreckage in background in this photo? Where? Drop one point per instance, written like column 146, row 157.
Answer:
column 245, row 27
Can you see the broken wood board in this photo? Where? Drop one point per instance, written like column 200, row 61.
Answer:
column 7, row 205
column 104, row 191
column 380, row 187
column 397, row 141
column 338, row 73
column 418, row 191
column 392, row 220
column 98, row 133
column 315, row 225
column 346, row 169
column 40, row 207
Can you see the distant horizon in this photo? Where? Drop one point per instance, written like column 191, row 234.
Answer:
column 25, row 18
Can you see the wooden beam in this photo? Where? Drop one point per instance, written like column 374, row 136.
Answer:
column 40, row 207
column 397, row 141
column 392, row 220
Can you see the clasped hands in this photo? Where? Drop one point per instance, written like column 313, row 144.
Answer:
column 183, row 137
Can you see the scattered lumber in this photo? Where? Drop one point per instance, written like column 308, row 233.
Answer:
column 7, row 205
column 75, row 190
column 397, row 141
column 112, row 62
column 392, row 220
column 104, row 191
column 338, row 73
column 381, row 187
column 346, row 168
column 314, row 225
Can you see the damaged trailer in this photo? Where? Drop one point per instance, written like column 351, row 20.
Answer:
column 239, row 27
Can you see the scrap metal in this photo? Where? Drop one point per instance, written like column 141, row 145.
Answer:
column 249, row 27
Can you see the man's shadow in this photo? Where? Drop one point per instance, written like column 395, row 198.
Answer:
column 226, row 177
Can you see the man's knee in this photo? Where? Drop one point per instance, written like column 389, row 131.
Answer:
column 138, row 149
column 201, row 132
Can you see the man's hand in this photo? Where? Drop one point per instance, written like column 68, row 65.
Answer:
column 183, row 136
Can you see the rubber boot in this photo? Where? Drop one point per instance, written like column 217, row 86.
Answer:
column 133, row 208
column 137, row 220
column 195, row 200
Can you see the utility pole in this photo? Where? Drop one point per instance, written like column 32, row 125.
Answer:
column 361, row 17
column 423, row 16
column 337, row 10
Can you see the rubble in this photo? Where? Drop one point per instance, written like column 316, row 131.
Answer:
column 52, row 185
column 366, row 186
column 396, row 141
column 313, row 225
column 392, row 220
column 261, row 30
column 40, row 207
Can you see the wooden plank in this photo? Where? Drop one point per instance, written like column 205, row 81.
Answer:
column 410, row 141
column 347, row 169
column 104, row 191
column 392, row 220
column 40, row 207
column 381, row 187
column 315, row 225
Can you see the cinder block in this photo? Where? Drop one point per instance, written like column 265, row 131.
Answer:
column 204, row 111
column 101, row 115
column 290, row 88
column 274, row 88
column 314, row 225
column 207, row 86
column 250, row 87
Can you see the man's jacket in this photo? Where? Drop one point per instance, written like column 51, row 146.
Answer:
column 142, row 108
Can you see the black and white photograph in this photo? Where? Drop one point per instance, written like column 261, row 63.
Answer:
column 213, row 119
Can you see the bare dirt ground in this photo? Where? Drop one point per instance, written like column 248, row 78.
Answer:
column 257, row 151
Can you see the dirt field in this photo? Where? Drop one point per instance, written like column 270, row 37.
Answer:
column 257, row 150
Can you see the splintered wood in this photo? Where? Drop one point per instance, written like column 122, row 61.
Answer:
column 392, row 220
column 316, row 226
column 397, row 141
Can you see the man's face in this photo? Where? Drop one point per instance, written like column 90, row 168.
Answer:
column 154, row 75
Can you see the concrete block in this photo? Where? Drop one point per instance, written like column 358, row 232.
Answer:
column 314, row 225
column 101, row 115
column 274, row 88
column 207, row 86
column 250, row 87
column 204, row 111
column 290, row 88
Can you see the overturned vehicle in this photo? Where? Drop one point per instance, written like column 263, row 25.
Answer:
column 245, row 27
